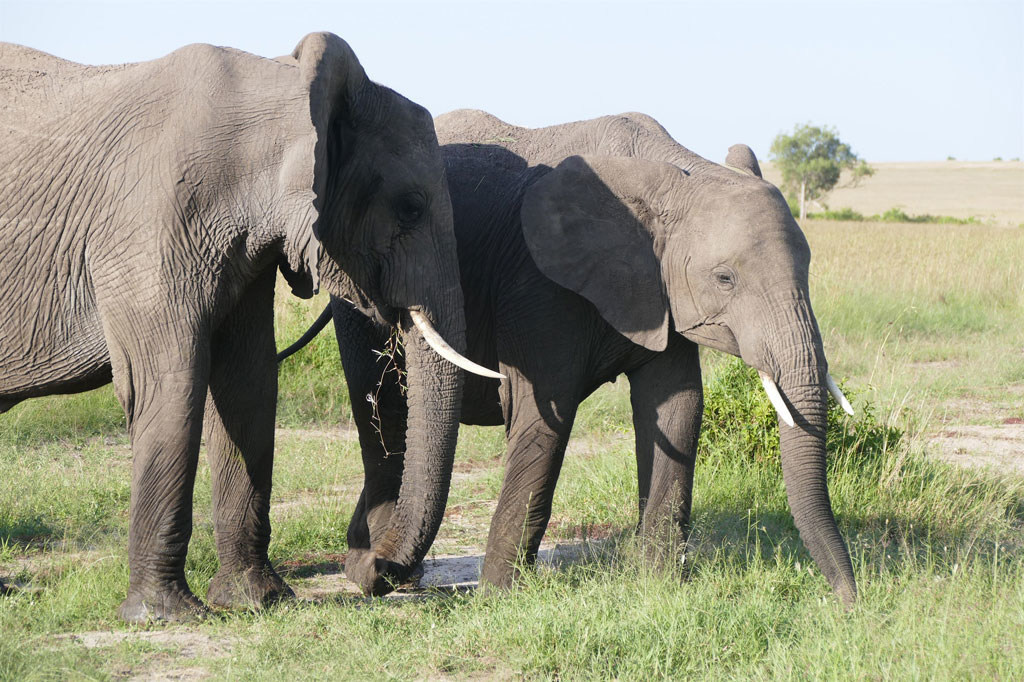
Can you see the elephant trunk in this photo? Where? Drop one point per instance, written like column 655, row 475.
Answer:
column 802, row 379
column 434, row 399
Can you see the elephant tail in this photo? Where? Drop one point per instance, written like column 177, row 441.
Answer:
column 310, row 334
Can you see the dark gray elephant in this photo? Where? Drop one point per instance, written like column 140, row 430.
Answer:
column 144, row 212
column 576, row 269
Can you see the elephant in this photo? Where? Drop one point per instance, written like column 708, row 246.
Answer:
column 599, row 248
column 145, row 212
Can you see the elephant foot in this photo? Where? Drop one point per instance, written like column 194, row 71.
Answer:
column 254, row 587
column 375, row 575
column 412, row 581
column 172, row 604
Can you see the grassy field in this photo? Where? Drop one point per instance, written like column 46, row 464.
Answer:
column 991, row 191
column 923, row 323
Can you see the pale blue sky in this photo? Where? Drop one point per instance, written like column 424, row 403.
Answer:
column 902, row 81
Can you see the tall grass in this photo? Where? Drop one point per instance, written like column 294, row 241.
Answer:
column 922, row 312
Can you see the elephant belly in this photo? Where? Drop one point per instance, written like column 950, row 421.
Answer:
column 49, row 354
column 481, row 405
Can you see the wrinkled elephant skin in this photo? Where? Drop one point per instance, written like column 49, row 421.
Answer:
column 145, row 210
column 600, row 248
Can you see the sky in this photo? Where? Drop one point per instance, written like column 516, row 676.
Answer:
column 899, row 80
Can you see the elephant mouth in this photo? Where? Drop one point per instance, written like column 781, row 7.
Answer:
column 374, row 308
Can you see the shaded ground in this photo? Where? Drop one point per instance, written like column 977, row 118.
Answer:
column 441, row 574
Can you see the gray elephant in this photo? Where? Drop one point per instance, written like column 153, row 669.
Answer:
column 601, row 248
column 145, row 210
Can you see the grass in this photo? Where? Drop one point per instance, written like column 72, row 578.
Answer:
column 921, row 314
column 919, row 320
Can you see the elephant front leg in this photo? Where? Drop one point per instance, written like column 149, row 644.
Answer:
column 668, row 403
column 240, row 448
column 164, row 411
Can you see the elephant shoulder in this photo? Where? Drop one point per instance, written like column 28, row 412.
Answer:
column 24, row 69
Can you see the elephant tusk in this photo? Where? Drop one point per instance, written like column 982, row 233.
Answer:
column 833, row 388
column 776, row 398
column 441, row 347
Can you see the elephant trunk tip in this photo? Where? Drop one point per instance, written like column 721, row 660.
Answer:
column 373, row 574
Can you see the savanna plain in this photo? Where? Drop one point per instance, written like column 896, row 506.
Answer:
column 923, row 324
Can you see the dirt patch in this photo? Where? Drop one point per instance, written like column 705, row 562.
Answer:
column 182, row 645
column 186, row 643
column 983, row 433
column 999, row 447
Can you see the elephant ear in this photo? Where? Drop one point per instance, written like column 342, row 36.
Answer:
column 332, row 77
column 742, row 158
column 592, row 226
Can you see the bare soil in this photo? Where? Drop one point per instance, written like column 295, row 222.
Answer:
column 999, row 447
column 181, row 645
column 983, row 434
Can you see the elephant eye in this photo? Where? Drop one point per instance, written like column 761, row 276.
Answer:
column 409, row 208
column 724, row 278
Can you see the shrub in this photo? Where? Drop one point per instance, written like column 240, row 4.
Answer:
column 739, row 418
column 893, row 215
column 847, row 214
column 896, row 215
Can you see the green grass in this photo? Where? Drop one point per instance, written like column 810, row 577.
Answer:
column 920, row 314
column 914, row 317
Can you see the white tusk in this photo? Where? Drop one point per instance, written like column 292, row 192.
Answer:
column 776, row 398
column 833, row 388
column 441, row 347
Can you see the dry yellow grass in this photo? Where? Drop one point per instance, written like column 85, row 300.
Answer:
column 991, row 191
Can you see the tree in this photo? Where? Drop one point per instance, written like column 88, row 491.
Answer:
column 811, row 160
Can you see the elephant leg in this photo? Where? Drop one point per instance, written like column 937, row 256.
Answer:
column 239, row 426
column 538, row 432
column 160, row 377
column 380, row 412
column 668, row 404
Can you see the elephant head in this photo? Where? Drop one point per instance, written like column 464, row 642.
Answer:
column 368, row 216
column 716, row 256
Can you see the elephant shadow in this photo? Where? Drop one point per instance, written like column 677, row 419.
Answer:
column 880, row 542
column 441, row 576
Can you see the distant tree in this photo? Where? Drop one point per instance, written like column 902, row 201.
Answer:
column 811, row 160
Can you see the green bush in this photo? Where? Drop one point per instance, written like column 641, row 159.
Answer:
column 738, row 418
column 847, row 214
column 896, row 215
column 893, row 215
